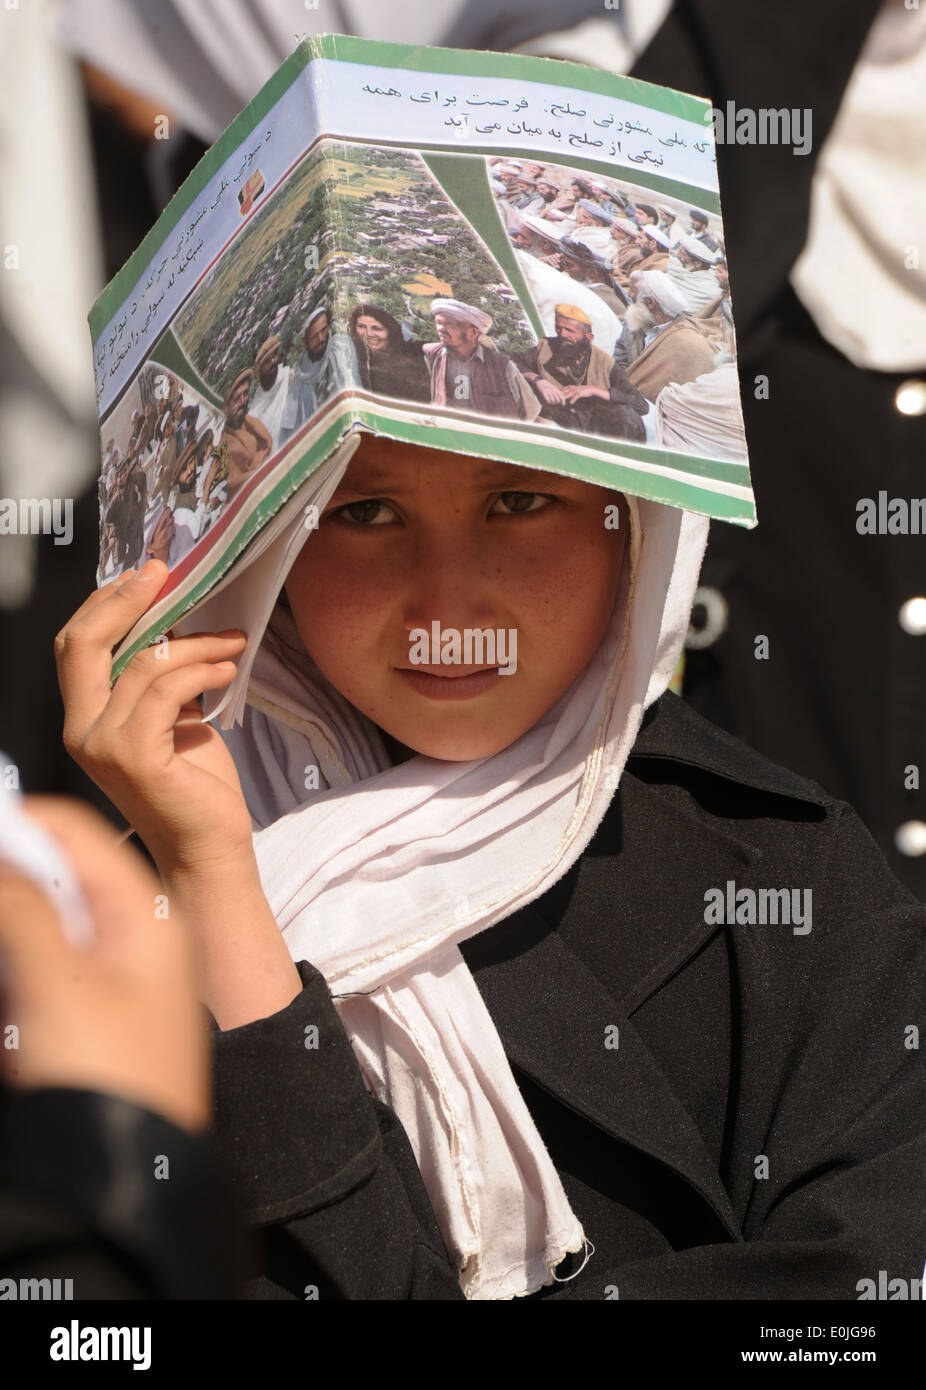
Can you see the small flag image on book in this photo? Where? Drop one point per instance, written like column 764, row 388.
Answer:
column 249, row 193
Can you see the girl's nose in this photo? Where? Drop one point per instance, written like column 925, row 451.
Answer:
column 448, row 581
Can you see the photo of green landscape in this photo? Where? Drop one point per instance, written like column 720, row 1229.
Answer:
column 353, row 222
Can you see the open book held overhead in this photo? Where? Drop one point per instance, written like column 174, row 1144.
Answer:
column 500, row 255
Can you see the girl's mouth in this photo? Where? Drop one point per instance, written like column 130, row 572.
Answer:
column 449, row 686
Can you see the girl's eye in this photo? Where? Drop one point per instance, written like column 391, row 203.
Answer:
column 365, row 518
column 515, row 501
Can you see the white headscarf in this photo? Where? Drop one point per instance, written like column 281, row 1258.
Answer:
column 377, row 876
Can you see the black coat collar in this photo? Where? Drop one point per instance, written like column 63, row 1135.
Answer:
column 672, row 730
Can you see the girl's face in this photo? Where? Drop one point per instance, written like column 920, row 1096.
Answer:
column 417, row 536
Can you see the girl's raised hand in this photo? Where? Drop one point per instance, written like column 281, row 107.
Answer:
column 143, row 741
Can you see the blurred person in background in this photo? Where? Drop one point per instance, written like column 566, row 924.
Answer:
column 92, row 141
column 112, row 1051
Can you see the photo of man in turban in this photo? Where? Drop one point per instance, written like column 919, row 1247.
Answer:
column 579, row 386
column 245, row 441
column 272, row 397
column 662, row 341
column 468, row 371
column 326, row 367
column 691, row 270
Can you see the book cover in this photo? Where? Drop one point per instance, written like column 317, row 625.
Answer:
column 500, row 255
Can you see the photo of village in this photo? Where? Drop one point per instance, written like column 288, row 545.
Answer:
column 359, row 273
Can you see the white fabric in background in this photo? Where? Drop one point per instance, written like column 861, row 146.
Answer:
column 206, row 59
column 856, row 274
column 48, row 214
column 27, row 848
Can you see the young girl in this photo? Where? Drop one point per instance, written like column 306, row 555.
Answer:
column 526, row 979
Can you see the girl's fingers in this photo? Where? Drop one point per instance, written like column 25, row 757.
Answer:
column 156, row 711
column 83, row 647
column 160, row 660
column 83, row 651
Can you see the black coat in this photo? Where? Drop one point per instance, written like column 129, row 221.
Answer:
column 841, row 697
column 734, row 1042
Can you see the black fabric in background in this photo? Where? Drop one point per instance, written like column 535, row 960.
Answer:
column 841, row 697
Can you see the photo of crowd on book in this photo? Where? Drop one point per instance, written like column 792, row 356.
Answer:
column 162, row 482
column 651, row 313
